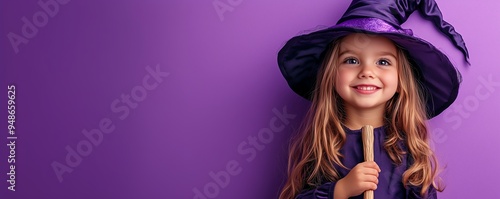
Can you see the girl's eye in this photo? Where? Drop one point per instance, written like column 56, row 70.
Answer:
column 351, row 60
column 384, row 62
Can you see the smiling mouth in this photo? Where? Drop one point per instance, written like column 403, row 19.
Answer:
column 366, row 88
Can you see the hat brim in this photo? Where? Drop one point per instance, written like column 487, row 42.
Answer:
column 301, row 57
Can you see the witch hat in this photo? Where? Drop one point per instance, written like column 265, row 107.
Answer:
column 301, row 57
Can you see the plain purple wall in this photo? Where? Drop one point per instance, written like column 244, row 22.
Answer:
column 207, row 107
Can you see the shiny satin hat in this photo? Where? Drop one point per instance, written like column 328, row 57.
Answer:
column 302, row 56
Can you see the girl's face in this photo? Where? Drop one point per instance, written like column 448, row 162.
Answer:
column 367, row 71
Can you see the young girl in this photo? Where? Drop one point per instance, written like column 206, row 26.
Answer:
column 367, row 70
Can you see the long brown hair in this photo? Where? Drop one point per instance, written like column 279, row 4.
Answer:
column 315, row 150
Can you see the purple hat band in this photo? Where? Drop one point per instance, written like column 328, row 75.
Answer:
column 373, row 25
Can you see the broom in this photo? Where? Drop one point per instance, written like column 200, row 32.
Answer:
column 367, row 136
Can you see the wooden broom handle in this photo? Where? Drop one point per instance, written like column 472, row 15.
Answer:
column 367, row 136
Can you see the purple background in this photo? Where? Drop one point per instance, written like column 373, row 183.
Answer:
column 222, row 88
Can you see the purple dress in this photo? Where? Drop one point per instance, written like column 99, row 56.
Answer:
column 390, row 184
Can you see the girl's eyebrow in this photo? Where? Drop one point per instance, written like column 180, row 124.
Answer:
column 384, row 53
column 346, row 52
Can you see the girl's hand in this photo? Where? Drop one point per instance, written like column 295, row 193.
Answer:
column 364, row 176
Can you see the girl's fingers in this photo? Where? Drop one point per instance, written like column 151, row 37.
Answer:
column 371, row 179
column 372, row 165
column 369, row 186
column 370, row 171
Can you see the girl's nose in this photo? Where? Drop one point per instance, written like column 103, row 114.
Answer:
column 366, row 71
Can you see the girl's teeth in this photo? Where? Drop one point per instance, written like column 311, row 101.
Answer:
column 366, row 88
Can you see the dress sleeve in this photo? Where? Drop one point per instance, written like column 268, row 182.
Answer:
column 414, row 193
column 324, row 191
